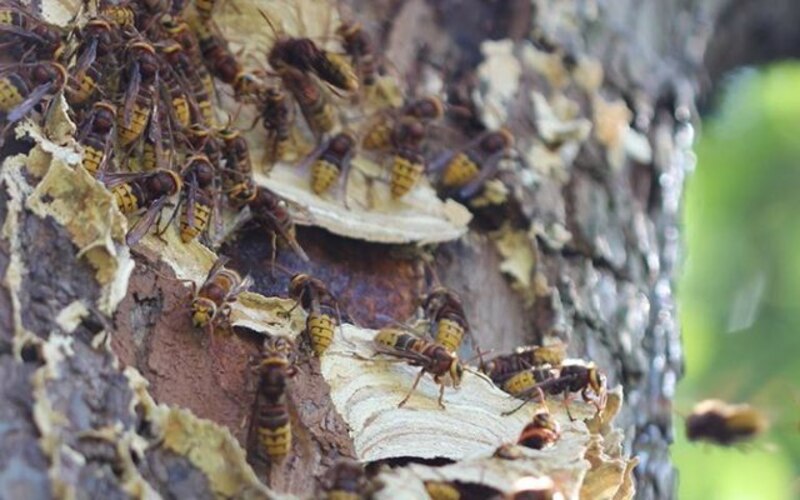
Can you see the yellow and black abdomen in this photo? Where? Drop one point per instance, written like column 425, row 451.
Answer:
column 378, row 137
column 126, row 197
column 93, row 155
column 460, row 171
column 202, row 214
column 239, row 188
column 149, row 161
column 129, row 133
column 336, row 70
column 399, row 340
column 120, row 15
column 81, row 89
column 407, row 168
column 9, row 17
column 449, row 334
column 323, row 175
column 519, row 382
column 319, row 114
column 523, row 381
column 206, row 110
column 180, row 104
column 200, row 92
column 320, row 328
column 13, row 90
column 274, row 429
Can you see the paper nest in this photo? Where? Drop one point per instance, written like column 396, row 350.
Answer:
column 366, row 391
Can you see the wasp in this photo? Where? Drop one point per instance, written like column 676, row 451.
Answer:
column 94, row 137
column 220, row 61
column 271, row 212
column 141, row 75
column 345, row 480
column 542, row 431
column 724, row 424
column 174, row 87
column 237, row 178
column 359, row 46
column 197, row 201
column 467, row 170
column 573, row 376
column 189, row 63
column 385, row 131
column 304, row 55
column 276, row 116
column 271, row 415
column 322, row 308
column 330, row 161
column 311, row 99
column 95, row 54
column 18, row 26
column 431, row 357
column 198, row 99
column 444, row 309
column 524, row 358
column 577, row 375
column 211, row 303
column 407, row 162
column 24, row 86
column 148, row 192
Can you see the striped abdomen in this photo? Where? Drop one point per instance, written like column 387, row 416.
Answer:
column 323, row 176
column 320, row 328
column 274, row 429
column 449, row 333
column 93, row 155
column 189, row 230
column 13, row 90
column 128, row 197
column 407, row 168
column 128, row 134
column 460, row 171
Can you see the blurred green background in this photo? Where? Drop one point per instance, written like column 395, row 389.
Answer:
column 739, row 294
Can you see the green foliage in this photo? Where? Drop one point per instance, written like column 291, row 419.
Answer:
column 740, row 292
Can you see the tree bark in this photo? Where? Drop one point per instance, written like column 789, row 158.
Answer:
column 606, row 288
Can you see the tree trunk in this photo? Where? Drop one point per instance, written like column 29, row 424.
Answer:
column 584, row 251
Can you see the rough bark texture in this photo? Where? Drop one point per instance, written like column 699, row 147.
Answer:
column 612, row 284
